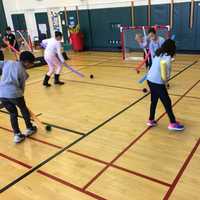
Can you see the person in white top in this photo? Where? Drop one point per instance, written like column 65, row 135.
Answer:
column 54, row 58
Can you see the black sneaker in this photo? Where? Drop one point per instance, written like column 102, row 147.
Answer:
column 47, row 84
column 59, row 83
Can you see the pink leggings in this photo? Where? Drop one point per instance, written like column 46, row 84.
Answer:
column 55, row 66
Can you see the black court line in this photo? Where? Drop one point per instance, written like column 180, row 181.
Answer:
column 105, row 85
column 5, row 112
column 127, row 88
column 64, row 73
column 133, row 142
column 63, row 128
column 52, row 125
column 181, row 171
column 61, row 151
column 117, row 114
column 181, row 71
column 111, row 118
column 78, row 140
column 190, row 97
column 127, row 67
column 117, row 66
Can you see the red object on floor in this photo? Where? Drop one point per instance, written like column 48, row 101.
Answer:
column 77, row 41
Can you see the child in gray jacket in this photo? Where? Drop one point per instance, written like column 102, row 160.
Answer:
column 12, row 85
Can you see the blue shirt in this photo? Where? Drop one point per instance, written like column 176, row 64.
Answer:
column 152, row 45
column 12, row 82
column 154, row 74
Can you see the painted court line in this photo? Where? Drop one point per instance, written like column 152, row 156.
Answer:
column 181, row 171
column 105, row 85
column 91, row 194
column 96, row 160
column 181, row 71
column 15, row 161
column 117, row 114
column 52, row 177
column 35, row 139
column 142, row 175
column 188, row 96
column 121, row 168
column 68, row 146
column 53, row 125
column 64, row 129
column 41, row 79
column 132, row 143
column 103, row 123
column 114, row 116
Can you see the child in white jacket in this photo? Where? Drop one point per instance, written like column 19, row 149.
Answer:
column 54, row 58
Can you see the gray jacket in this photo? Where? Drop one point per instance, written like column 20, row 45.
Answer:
column 12, row 82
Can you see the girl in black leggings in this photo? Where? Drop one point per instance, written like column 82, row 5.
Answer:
column 157, row 78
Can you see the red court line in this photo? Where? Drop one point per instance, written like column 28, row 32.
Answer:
column 88, row 157
column 35, row 139
column 122, row 169
column 15, row 161
column 44, row 142
column 91, row 194
column 132, row 143
column 180, row 173
column 71, row 185
column 105, row 85
column 99, row 161
column 150, row 178
column 141, row 175
column 119, row 155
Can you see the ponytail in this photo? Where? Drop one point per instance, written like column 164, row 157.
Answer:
column 168, row 47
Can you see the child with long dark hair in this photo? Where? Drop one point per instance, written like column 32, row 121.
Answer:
column 157, row 78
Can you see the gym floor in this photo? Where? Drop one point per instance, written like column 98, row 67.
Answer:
column 100, row 146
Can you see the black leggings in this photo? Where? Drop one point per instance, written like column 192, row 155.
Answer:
column 159, row 91
column 149, row 60
column 11, row 106
column 1, row 55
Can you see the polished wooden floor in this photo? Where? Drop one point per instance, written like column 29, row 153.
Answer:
column 99, row 146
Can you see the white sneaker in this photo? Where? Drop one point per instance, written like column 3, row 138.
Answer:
column 19, row 138
column 31, row 131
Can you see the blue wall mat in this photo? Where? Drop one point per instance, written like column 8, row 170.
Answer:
column 185, row 38
column 196, row 26
column 19, row 22
column 160, row 14
column 42, row 18
column 141, row 16
column 104, row 34
column 85, row 22
column 100, row 25
column 3, row 22
column 64, row 27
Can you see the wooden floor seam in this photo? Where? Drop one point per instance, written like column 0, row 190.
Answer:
column 107, row 166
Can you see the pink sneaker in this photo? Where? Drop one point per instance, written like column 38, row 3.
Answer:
column 176, row 127
column 152, row 123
